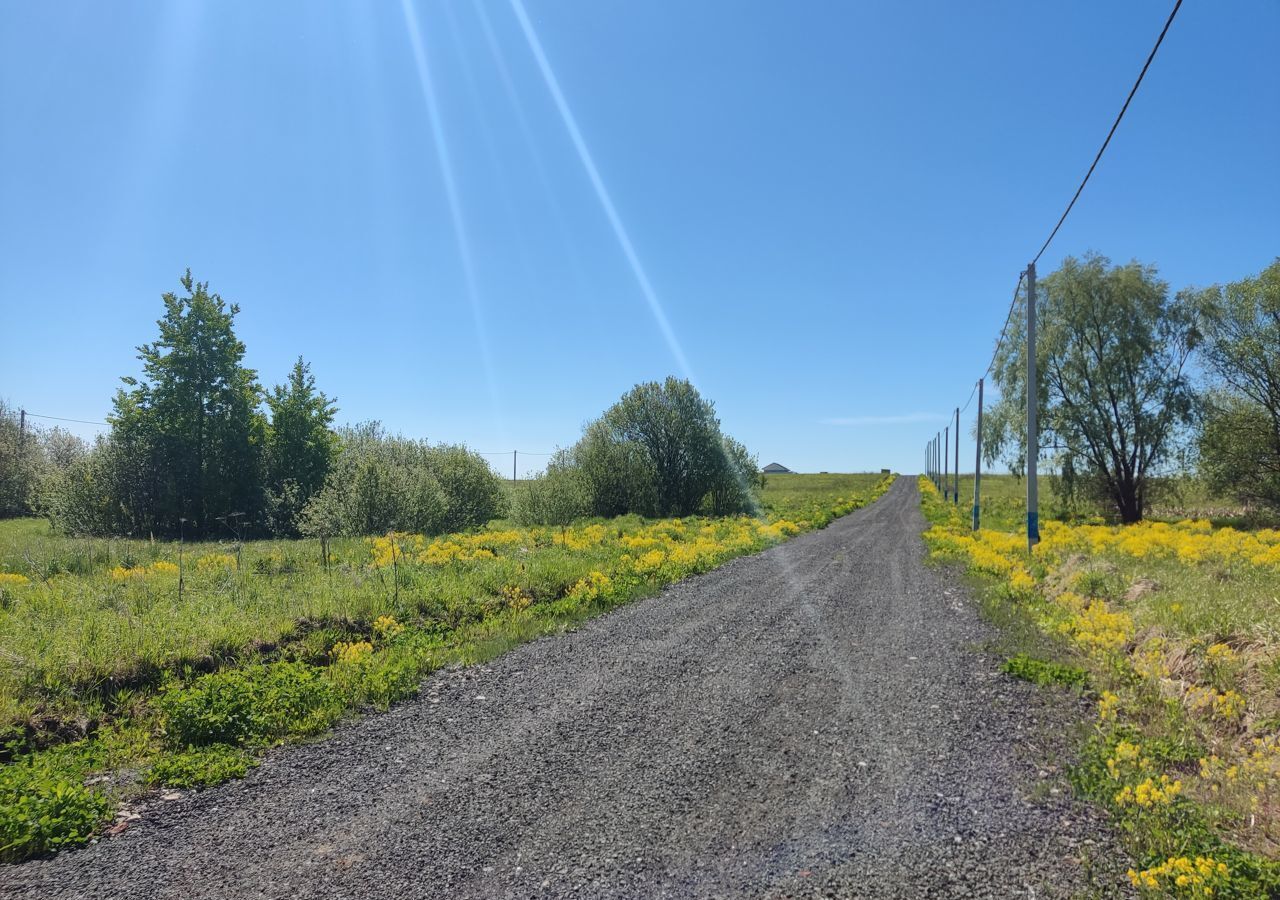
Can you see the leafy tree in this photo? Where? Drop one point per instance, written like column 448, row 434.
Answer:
column 82, row 496
column 619, row 475
column 558, row 496
column 658, row 451
column 19, row 464
column 1240, row 443
column 191, row 423
column 300, row 446
column 679, row 432
column 380, row 483
column 737, row 482
column 473, row 492
column 1114, row 395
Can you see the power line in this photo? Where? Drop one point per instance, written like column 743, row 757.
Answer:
column 1028, row 275
column 964, row 408
column 1114, row 126
column 64, row 419
column 1004, row 329
column 108, row 424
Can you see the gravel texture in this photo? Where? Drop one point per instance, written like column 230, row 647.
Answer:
column 814, row 720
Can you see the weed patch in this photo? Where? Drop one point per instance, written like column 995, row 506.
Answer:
column 1172, row 625
column 1041, row 672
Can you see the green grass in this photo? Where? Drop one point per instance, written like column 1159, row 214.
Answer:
column 1200, row 620
column 1004, row 504
column 107, row 665
column 1044, row 672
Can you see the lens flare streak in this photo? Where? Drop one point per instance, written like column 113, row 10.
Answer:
column 602, row 193
column 451, row 196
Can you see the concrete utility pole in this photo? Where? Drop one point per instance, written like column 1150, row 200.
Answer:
column 514, row 453
column 955, row 494
column 977, row 465
column 1033, row 433
column 22, row 439
column 946, row 454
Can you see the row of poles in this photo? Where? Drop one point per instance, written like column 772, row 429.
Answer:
column 942, row 452
column 937, row 449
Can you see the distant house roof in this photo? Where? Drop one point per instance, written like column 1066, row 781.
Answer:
column 776, row 469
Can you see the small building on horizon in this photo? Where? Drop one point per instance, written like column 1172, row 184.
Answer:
column 776, row 469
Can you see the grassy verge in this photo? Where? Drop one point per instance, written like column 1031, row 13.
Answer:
column 1173, row 627
column 127, row 665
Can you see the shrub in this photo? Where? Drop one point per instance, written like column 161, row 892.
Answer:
column 43, row 809
column 381, row 483
column 377, row 679
column 216, row 709
column 199, row 767
column 254, row 704
column 556, row 497
column 473, row 492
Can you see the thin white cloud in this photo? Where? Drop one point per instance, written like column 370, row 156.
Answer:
column 902, row 419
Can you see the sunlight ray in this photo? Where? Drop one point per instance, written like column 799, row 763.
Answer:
column 526, row 133
column 602, row 193
column 455, row 206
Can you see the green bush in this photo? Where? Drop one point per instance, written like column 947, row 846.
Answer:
column 44, row 809
column 657, row 452
column 296, row 699
column 199, row 767
column 254, row 704
column 558, row 496
column 378, row 680
column 381, row 483
column 216, row 709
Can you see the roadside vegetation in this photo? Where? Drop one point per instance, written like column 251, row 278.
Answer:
column 1171, row 627
column 1154, row 583
column 1141, row 388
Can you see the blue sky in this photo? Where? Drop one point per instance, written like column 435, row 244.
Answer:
column 830, row 201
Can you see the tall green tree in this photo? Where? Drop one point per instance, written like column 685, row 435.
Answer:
column 678, row 430
column 300, row 446
column 1114, row 396
column 1240, row 443
column 658, row 451
column 19, row 463
column 191, row 422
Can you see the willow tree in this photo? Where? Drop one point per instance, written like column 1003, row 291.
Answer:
column 1240, row 443
column 1113, row 397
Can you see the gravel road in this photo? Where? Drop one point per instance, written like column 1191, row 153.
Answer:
column 811, row 721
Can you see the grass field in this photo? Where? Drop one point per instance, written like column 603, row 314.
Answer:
column 1174, row 628
column 1004, row 504
column 127, row 663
